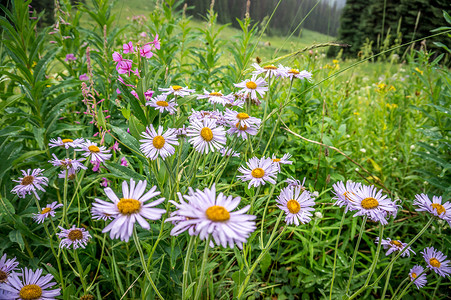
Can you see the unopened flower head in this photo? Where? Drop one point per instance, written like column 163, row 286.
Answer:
column 259, row 172
column 162, row 104
column 342, row 194
column 253, row 87
column 47, row 211
column 66, row 143
column 269, row 70
column 27, row 285
column 31, row 181
column 437, row 261
column 297, row 204
column 177, row 90
column 393, row 246
column 207, row 214
column 73, row 237
column 131, row 208
column 435, row 207
column 414, row 274
column 7, row 266
column 284, row 160
column 98, row 154
column 206, row 136
column 157, row 143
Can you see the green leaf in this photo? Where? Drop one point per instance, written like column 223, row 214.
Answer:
column 16, row 237
column 123, row 172
column 265, row 263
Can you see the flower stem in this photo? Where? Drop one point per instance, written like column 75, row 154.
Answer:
column 387, row 280
column 399, row 287
column 378, row 251
column 202, row 269
column 80, row 271
column 335, row 254
column 143, row 263
column 408, row 286
column 186, row 266
column 354, row 256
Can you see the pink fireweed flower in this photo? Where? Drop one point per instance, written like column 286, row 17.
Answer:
column 143, row 34
column 177, row 90
column 242, row 131
column 207, row 214
column 134, row 93
column 6, row 268
column 83, row 77
column 259, row 172
column 66, row 143
column 213, row 97
column 162, row 104
column 157, row 143
column 30, row 183
column 117, row 57
column 252, row 87
column 47, row 211
column 156, row 42
column 269, row 71
column 394, row 245
column 128, row 48
column 236, row 118
column 436, row 207
column 148, row 94
column 124, row 67
column 31, row 285
column 281, row 161
column 206, row 136
column 436, row 261
column 95, row 166
column 146, row 51
column 73, row 237
column 130, row 208
column 297, row 204
column 70, row 57
column 115, row 147
column 124, row 162
column 414, row 274
column 342, row 194
column 97, row 154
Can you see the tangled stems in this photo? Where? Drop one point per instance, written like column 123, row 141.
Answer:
column 186, row 266
column 408, row 286
column 335, row 254
column 354, row 256
column 393, row 261
column 143, row 263
column 202, row 269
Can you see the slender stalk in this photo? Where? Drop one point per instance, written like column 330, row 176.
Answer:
column 80, row 271
column 186, row 266
column 251, row 210
column 354, row 256
column 335, row 254
column 264, row 213
column 202, row 269
column 65, row 208
column 378, row 251
column 387, row 280
column 408, row 286
column 399, row 286
column 143, row 263
column 100, row 261
column 60, row 270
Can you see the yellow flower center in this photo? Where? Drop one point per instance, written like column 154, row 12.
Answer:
column 370, row 203
column 396, row 243
column 434, row 262
column 162, row 103
column 276, row 159
column 216, row 94
column 94, row 149
column 176, row 87
column 217, row 213
column 75, row 235
column 293, row 206
column 206, row 134
column 30, row 292
column 293, row 71
column 242, row 116
column 439, row 208
column 45, row 210
column 158, row 142
column 251, row 85
column 270, row 67
column 240, row 127
column 3, row 276
column 128, row 206
column 27, row 180
column 66, row 141
column 414, row 275
column 258, row 173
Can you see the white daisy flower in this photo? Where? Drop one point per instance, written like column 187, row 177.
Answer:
column 297, row 204
column 28, row 285
column 434, row 207
column 130, row 208
column 47, row 211
column 206, row 136
column 177, row 90
column 158, row 143
column 292, row 73
column 66, row 143
column 229, row 152
column 242, row 131
column 73, row 237
column 269, row 70
column 162, row 104
column 6, row 268
column 342, row 194
column 367, row 200
column 281, row 161
column 252, row 87
column 240, row 118
column 98, row 154
column 260, row 171
column 209, row 215
column 214, row 97
column 30, row 183
column 394, row 245
column 68, row 164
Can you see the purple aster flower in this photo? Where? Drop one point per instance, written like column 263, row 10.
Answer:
column 297, row 204
column 30, row 183
column 73, row 237
column 394, row 245
column 295, row 183
column 281, row 161
column 435, row 207
column 436, row 261
column 158, row 144
column 47, row 211
column 6, row 267
column 31, row 285
column 259, row 172
column 342, row 193
column 414, row 274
